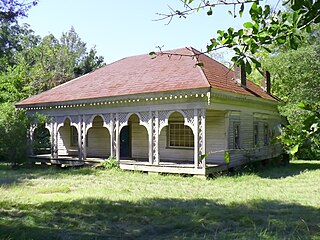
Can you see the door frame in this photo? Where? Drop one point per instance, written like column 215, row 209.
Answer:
column 129, row 155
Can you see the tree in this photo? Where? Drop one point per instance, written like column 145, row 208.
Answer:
column 10, row 10
column 296, row 81
column 10, row 31
column 29, row 65
column 49, row 62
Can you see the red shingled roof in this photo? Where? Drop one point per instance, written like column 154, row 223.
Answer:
column 143, row 74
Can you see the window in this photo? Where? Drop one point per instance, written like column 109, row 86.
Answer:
column 266, row 134
column 255, row 134
column 180, row 136
column 236, row 135
column 74, row 136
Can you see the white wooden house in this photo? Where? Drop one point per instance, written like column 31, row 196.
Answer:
column 160, row 114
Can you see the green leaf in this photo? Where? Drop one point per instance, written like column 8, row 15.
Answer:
column 248, row 25
column 209, row 12
column 199, row 7
column 295, row 16
column 308, row 29
column 294, row 150
column 230, row 30
column 152, row 53
column 203, row 156
column 226, row 157
column 296, row 4
column 213, row 40
column 241, row 9
column 254, row 6
column 220, row 32
column 248, row 68
column 301, row 105
column 281, row 39
column 266, row 10
column 234, row 59
column 293, row 42
column 200, row 64
column 256, row 62
column 230, row 13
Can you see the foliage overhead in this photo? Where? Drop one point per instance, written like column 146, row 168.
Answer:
column 10, row 10
column 266, row 27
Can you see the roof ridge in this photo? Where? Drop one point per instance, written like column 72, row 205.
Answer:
column 200, row 68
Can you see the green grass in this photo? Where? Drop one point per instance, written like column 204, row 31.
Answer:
column 272, row 203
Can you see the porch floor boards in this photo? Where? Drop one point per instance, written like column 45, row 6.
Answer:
column 165, row 166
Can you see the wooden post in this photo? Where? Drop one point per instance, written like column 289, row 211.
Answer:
column 203, row 135
column 156, row 139
column 30, row 139
column 196, row 138
column 112, row 154
column 79, row 129
column 117, row 139
column 55, row 140
column 52, row 139
column 150, row 136
column 84, row 138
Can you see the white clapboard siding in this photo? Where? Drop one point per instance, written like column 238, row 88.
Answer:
column 64, row 141
column 98, row 142
column 139, row 141
column 215, row 135
column 246, row 130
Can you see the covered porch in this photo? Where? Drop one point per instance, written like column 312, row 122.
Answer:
column 165, row 138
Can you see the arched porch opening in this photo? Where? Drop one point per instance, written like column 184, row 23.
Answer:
column 68, row 139
column 41, row 142
column 98, row 139
column 176, row 140
column 134, row 140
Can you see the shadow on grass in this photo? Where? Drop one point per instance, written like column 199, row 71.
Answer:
column 14, row 176
column 158, row 219
column 292, row 169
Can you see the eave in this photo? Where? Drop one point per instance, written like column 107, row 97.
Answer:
column 202, row 94
column 226, row 95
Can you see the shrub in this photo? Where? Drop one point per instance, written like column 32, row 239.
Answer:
column 110, row 163
column 13, row 134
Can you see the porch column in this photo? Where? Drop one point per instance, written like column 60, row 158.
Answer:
column 112, row 128
column 54, row 140
column 80, row 137
column 117, row 133
column 150, row 137
column 196, row 138
column 30, row 139
column 202, row 135
column 84, row 137
column 156, row 138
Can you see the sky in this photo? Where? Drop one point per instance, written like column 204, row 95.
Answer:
column 125, row 28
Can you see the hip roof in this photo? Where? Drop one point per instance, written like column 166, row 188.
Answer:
column 173, row 71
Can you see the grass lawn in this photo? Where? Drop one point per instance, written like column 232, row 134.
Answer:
column 274, row 203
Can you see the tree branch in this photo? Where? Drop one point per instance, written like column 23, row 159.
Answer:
column 203, row 4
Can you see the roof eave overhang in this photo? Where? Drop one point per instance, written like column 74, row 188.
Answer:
column 124, row 99
column 222, row 94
